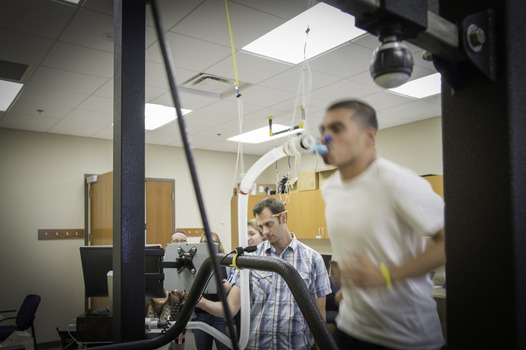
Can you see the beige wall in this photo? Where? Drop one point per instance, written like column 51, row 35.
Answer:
column 42, row 187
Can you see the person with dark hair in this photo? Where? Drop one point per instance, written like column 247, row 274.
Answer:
column 276, row 321
column 386, row 227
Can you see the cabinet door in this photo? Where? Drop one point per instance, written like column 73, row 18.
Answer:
column 294, row 217
column 312, row 215
column 159, row 211
column 437, row 182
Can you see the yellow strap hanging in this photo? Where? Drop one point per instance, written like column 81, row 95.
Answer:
column 232, row 44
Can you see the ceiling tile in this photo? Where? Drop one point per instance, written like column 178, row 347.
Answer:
column 385, row 99
column 245, row 63
column 90, row 117
column 264, row 97
column 105, row 90
column 98, row 37
column 209, row 22
column 39, row 95
column 290, row 80
column 56, row 79
column 190, row 53
column 105, row 7
column 81, row 60
column 23, row 48
column 97, row 104
column 279, row 8
column 416, row 110
column 386, row 120
column 77, row 128
column 47, row 110
column 163, row 135
column 344, row 89
column 45, row 18
column 229, row 108
column 27, row 122
column 344, row 61
column 172, row 12
column 106, row 133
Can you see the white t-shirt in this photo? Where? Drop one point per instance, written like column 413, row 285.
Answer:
column 385, row 213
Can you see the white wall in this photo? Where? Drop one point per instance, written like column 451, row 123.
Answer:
column 42, row 186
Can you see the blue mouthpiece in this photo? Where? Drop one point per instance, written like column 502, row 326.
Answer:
column 320, row 148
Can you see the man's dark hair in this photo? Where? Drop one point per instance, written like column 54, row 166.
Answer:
column 275, row 206
column 364, row 114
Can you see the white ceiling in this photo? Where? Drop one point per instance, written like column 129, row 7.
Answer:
column 68, row 86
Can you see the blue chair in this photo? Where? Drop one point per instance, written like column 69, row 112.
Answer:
column 24, row 318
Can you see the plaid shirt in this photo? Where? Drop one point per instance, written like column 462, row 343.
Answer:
column 276, row 321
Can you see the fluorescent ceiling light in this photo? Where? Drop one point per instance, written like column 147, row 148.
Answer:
column 329, row 27
column 420, row 88
column 8, row 92
column 156, row 116
column 262, row 134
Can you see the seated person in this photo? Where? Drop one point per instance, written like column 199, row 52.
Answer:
column 162, row 309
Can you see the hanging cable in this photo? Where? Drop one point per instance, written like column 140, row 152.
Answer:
column 169, row 66
column 240, row 162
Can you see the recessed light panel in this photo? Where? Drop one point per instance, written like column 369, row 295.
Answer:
column 156, row 116
column 8, row 92
column 420, row 88
column 328, row 27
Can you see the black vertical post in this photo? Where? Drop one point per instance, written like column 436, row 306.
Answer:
column 128, row 170
column 484, row 141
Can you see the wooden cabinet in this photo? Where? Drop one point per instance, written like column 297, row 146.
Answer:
column 252, row 200
column 306, row 214
column 311, row 215
column 437, row 182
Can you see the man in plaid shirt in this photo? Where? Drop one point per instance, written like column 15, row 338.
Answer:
column 276, row 322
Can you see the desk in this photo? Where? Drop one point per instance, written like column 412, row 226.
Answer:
column 94, row 328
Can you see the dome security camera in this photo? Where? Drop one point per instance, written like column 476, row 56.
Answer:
column 391, row 63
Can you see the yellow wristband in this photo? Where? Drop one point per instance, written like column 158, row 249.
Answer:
column 385, row 272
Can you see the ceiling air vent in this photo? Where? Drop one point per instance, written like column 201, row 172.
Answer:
column 210, row 85
column 12, row 70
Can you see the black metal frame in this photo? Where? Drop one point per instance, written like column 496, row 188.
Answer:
column 291, row 276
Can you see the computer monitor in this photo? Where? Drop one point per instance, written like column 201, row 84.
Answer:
column 178, row 272
column 97, row 260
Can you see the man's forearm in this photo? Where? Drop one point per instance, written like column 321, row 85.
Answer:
column 432, row 258
column 216, row 307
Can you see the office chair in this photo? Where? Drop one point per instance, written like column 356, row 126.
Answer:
column 24, row 319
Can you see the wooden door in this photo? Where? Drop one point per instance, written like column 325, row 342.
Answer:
column 101, row 210
column 160, row 224
column 100, row 221
column 159, row 216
